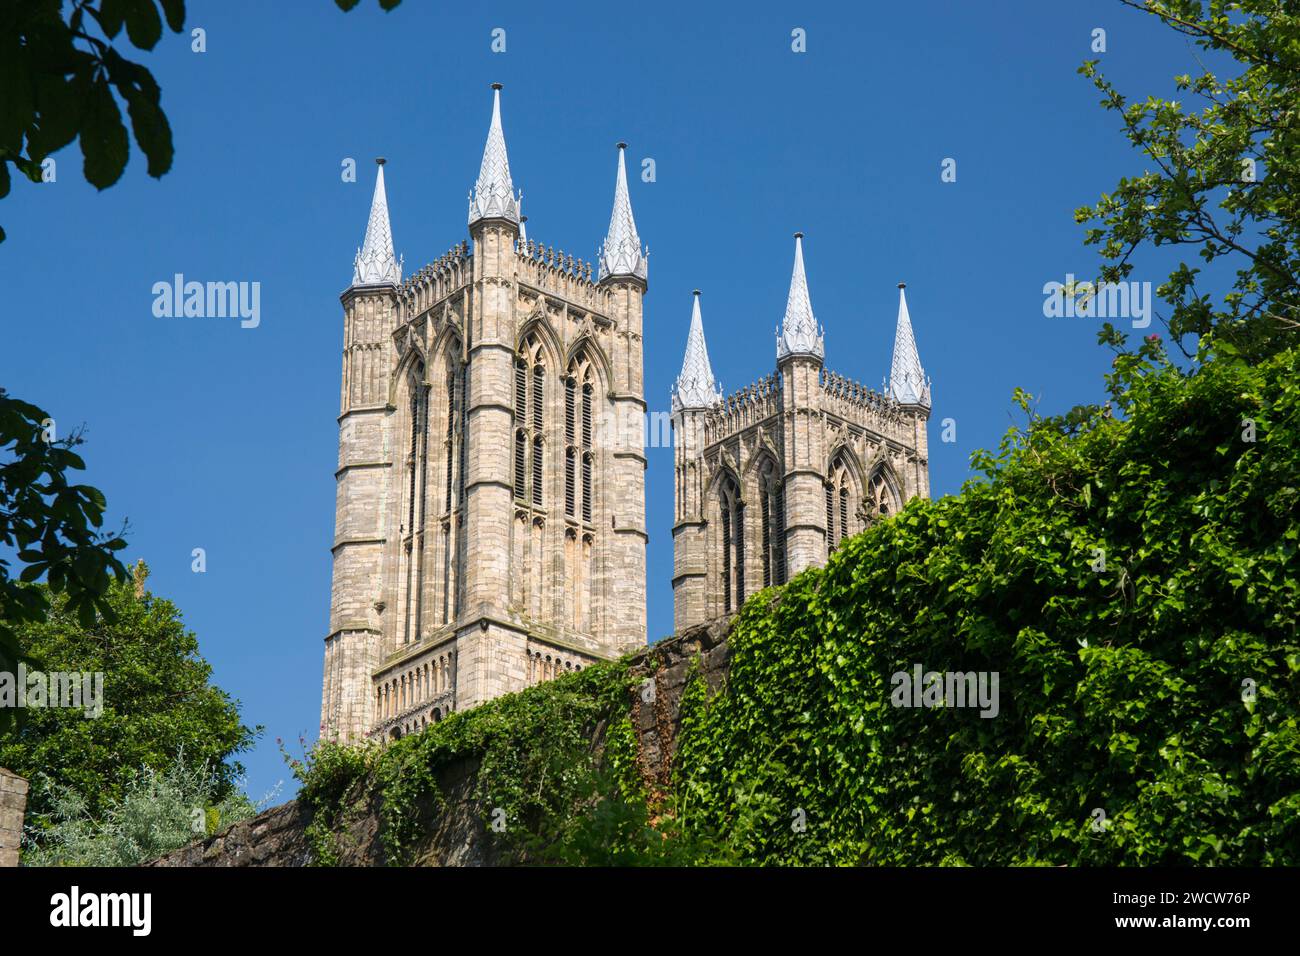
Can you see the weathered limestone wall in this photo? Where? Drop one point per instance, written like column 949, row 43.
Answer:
column 13, row 805
column 457, row 836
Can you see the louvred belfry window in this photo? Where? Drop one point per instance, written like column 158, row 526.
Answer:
column 413, row 538
column 830, row 518
column 570, row 477
column 586, row 487
column 772, row 515
column 779, row 534
column 530, row 424
column 733, row 544
column 537, row 470
column 570, row 454
column 841, row 495
column 412, row 463
column 521, row 465
column 580, row 472
column 461, row 438
column 588, row 492
column 452, row 413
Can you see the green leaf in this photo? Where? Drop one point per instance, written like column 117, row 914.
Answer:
column 143, row 24
column 103, row 137
column 152, row 131
column 112, row 14
column 174, row 10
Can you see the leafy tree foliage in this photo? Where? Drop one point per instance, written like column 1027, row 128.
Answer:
column 61, row 79
column 1223, row 178
column 158, row 703
column 50, row 526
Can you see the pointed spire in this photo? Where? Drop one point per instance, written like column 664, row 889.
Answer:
column 695, row 387
column 523, row 230
column 799, row 333
column 494, row 193
column 620, row 254
column 907, row 381
column 375, row 263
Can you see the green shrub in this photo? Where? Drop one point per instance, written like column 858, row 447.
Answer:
column 157, row 813
column 1121, row 689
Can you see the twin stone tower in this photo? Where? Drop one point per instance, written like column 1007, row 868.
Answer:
column 490, row 520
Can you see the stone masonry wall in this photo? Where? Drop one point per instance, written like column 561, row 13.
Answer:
column 456, row 837
column 13, row 805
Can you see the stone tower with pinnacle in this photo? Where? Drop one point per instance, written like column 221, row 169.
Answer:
column 770, row 480
column 490, row 527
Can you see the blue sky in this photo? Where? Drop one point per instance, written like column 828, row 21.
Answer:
column 204, row 434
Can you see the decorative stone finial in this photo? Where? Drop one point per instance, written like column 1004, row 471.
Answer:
column 695, row 387
column 376, row 263
column 907, row 381
column 799, row 333
column 621, row 253
column 494, row 192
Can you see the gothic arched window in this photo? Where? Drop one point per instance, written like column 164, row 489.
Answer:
column 733, row 544
column 841, row 499
column 881, row 502
column 579, row 456
column 412, row 554
column 449, row 547
column 771, row 496
column 530, row 421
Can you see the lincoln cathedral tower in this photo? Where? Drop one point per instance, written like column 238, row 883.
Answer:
column 490, row 517
column 770, row 480
column 490, row 527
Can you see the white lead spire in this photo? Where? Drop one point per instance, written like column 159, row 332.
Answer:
column 907, row 382
column 494, row 193
column 375, row 263
column 799, row 334
column 620, row 254
column 695, row 388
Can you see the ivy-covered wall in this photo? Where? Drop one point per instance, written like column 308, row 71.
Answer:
column 1128, row 575
column 431, row 803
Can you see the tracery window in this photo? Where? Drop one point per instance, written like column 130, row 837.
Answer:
column 841, row 497
column 579, row 454
column 530, row 424
column 733, row 544
column 771, row 495
column 881, row 502
column 413, row 526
